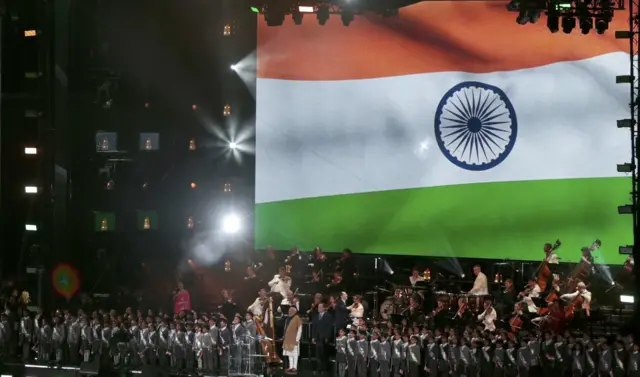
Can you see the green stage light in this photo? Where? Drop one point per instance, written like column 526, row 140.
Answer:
column 255, row 10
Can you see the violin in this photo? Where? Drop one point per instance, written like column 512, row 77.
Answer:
column 336, row 280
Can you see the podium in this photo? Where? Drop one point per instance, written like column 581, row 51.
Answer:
column 245, row 358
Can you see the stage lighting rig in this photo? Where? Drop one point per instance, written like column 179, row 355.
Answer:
column 275, row 11
column 567, row 14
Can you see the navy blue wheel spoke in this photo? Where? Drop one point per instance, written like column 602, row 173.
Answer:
column 495, row 135
column 489, row 124
column 460, row 118
column 496, row 116
column 455, row 124
column 460, row 112
column 456, row 132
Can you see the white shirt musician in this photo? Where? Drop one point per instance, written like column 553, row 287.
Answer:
column 289, row 300
column 552, row 258
column 580, row 292
column 281, row 283
column 256, row 307
column 415, row 277
column 480, row 285
column 357, row 310
column 488, row 317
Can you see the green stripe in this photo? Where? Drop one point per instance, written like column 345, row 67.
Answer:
column 506, row 220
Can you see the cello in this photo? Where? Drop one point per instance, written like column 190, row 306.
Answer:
column 515, row 323
column 543, row 272
column 268, row 346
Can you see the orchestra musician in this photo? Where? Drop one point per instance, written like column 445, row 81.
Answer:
column 480, row 285
column 463, row 315
column 317, row 300
column 356, row 309
column 336, row 283
column 413, row 311
column 315, row 283
column 488, row 316
column 281, row 283
column 582, row 292
column 415, row 277
column 289, row 300
column 319, row 258
column 550, row 257
column 532, row 291
column 257, row 308
column 228, row 307
column 509, row 294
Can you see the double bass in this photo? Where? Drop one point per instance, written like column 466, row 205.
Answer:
column 268, row 346
column 583, row 269
column 543, row 273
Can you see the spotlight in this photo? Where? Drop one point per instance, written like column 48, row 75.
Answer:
column 110, row 184
column 323, row 14
column 568, row 23
column 347, row 16
column 194, row 107
column 625, row 168
column 297, row 16
column 602, row 26
column 233, row 145
column 586, row 24
column 234, row 67
column 626, row 299
column 30, row 190
column 31, row 228
column 625, row 250
column 193, row 185
column 523, row 17
column 553, row 23
column 626, row 209
column 30, row 150
column 513, row 6
column 231, row 224
column 30, row 33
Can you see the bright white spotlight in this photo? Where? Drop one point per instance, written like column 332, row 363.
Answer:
column 233, row 145
column 30, row 190
column 31, row 228
column 231, row 224
column 234, row 67
column 30, row 150
column 626, row 299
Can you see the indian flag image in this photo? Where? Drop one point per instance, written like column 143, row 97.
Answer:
column 448, row 131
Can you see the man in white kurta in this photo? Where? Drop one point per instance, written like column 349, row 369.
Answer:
column 291, row 342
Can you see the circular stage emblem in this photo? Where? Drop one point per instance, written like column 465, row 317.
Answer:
column 475, row 125
column 65, row 280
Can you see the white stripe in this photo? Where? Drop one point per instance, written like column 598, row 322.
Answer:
column 320, row 138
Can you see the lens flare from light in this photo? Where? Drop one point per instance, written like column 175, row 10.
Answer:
column 231, row 224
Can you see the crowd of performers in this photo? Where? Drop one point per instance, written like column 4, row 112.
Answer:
column 419, row 331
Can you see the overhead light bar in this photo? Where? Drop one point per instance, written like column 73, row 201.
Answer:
column 306, row 9
column 31, row 228
column 30, row 150
column 30, row 189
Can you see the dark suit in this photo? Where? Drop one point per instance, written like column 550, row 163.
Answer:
column 341, row 314
column 322, row 333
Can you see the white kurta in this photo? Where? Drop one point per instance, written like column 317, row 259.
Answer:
column 296, row 349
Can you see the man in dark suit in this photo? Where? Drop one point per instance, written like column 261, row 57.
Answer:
column 341, row 312
column 322, row 333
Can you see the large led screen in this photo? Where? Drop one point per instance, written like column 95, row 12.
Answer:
column 448, row 131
